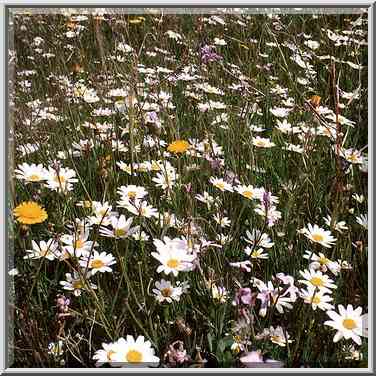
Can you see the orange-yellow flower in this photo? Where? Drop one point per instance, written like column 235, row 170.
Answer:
column 136, row 20
column 178, row 146
column 29, row 213
column 315, row 101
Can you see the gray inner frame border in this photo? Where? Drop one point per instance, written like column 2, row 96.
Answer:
column 7, row 290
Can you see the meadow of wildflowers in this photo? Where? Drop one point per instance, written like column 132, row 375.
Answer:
column 189, row 190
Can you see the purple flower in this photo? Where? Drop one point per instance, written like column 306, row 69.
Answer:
column 151, row 117
column 244, row 295
column 177, row 354
column 208, row 55
column 188, row 188
column 254, row 359
column 266, row 199
column 215, row 164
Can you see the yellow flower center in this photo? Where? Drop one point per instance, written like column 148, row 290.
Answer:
column 327, row 132
column 96, row 264
column 190, row 243
column 166, row 292
column 34, row 177
column 142, row 168
column 248, row 194
column 317, row 281
column 173, row 263
column 44, row 252
column 78, row 91
column 136, row 21
column 59, row 179
column 77, row 284
column 79, row 244
column 220, row 186
column 275, row 338
column 120, row 232
column 87, row 204
column 134, row 356
column 317, row 237
column 316, row 300
column 155, row 166
column 132, row 194
column 110, row 354
column 349, row 324
column 323, row 261
column 352, row 157
column 315, row 100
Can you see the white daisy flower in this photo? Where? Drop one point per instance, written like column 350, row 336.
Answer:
column 31, row 173
column 141, row 236
column 349, row 323
column 28, row 149
column 98, row 262
column 82, row 147
column 256, row 253
column 141, row 208
column 222, row 221
column 77, row 244
column 106, row 355
column 74, row 283
column 126, row 168
column 312, row 44
column 269, row 295
column 102, row 213
column 206, row 198
column 249, row 192
column 321, row 262
column 61, row 180
column 316, row 298
column 295, row 148
column 165, row 180
column 261, row 142
column 224, row 239
column 286, row 128
column 48, row 249
column 257, row 239
column 280, row 111
column 363, row 220
column 173, row 254
column 242, row 265
column 279, row 336
column 131, row 192
column 359, row 198
column 121, row 228
column 131, row 352
column 317, row 279
column 338, row 226
column 165, row 291
column 221, row 184
column 319, row 235
column 123, row 47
